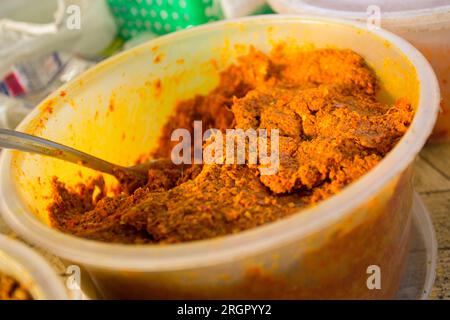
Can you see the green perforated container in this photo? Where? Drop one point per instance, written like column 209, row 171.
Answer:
column 162, row 16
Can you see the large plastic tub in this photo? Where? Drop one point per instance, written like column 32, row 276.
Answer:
column 426, row 24
column 115, row 111
column 31, row 270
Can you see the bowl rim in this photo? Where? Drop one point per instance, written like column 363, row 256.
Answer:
column 439, row 14
column 250, row 242
column 47, row 282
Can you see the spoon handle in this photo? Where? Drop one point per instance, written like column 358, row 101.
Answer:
column 11, row 139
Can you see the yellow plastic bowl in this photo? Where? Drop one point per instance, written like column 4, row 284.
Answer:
column 116, row 110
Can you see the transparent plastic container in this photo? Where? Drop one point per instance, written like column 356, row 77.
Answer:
column 31, row 270
column 321, row 252
column 420, row 273
column 425, row 24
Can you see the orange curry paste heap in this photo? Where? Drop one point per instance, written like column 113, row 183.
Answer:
column 332, row 130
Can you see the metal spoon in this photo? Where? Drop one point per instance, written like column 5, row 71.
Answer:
column 130, row 176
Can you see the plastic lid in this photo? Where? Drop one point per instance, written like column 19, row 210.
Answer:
column 385, row 5
column 405, row 12
column 418, row 278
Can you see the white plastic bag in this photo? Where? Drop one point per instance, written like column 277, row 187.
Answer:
column 12, row 111
column 29, row 27
column 238, row 8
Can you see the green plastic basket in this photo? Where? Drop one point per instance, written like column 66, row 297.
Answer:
column 162, row 16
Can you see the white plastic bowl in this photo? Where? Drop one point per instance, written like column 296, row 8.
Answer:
column 31, row 270
column 115, row 111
